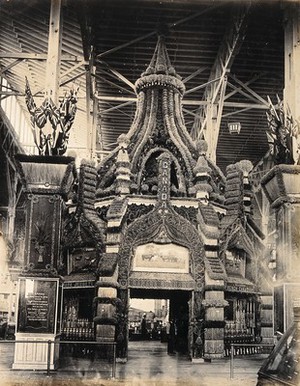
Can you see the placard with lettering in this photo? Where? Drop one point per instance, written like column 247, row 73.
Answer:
column 37, row 304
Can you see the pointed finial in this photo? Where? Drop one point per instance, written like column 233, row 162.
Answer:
column 160, row 62
column 160, row 72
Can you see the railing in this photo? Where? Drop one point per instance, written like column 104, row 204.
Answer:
column 74, row 348
column 239, row 348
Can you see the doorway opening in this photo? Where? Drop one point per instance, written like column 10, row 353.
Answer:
column 160, row 315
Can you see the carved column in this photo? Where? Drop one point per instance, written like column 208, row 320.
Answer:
column 291, row 66
column 123, row 172
column 202, row 172
column 111, row 314
column 46, row 181
column 282, row 186
column 214, row 304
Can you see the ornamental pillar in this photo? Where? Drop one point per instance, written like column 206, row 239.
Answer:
column 123, row 173
column 282, row 186
column 214, row 304
column 291, row 66
column 111, row 306
column 46, row 181
column 202, row 172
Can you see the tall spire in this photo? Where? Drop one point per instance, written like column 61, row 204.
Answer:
column 160, row 71
column 158, row 128
column 160, row 62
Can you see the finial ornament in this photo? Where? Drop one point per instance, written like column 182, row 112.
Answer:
column 160, row 71
column 123, row 141
column 50, row 124
column 246, row 166
column 282, row 129
column 202, row 146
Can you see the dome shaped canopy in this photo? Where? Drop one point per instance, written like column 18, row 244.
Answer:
column 158, row 127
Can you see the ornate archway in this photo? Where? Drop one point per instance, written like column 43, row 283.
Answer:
column 162, row 227
column 153, row 226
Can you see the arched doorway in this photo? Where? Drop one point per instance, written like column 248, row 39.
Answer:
column 165, row 320
column 163, row 254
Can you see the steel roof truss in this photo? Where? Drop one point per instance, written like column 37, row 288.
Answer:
column 37, row 56
column 258, row 97
column 116, row 107
column 209, row 123
column 240, row 91
column 236, row 112
column 197, row 72
column 118, row 75
column 252, row 80
column 54, row 51
column 11, row 65
column 72, row 79
column 169, row 26
column 115, row 85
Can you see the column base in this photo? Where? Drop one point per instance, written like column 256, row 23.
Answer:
column 32, row 350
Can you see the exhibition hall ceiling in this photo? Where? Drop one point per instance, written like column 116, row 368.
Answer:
column 229, row 53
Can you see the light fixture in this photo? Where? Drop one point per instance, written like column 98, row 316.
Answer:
column 234, row 127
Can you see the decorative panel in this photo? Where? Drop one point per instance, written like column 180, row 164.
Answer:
column 161, row 258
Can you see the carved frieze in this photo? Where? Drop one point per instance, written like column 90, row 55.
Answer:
column 135, row 211
column 147, row 228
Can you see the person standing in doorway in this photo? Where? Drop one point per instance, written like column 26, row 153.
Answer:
column 171, row 338
column 144, row 327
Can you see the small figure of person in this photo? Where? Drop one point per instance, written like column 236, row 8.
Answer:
column 144, row 327
column 171, row 338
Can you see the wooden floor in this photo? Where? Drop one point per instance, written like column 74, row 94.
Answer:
column 148, row 364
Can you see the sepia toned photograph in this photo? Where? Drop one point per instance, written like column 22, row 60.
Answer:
column 149, row 192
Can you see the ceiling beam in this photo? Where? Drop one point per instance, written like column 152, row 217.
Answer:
column 250, row 91
column 185, row 102
column 14, row 87
column 54, row 51
column 189, row 112
column 235, row 112
column 197, row 72
column 240, row 91
column 11, row 65
column 246, row 105
column 208, row 124
column 66, row 73
column 85, row 29
column 116, row 107
column 169, row 26
column 117, row 74
column 202, row 85
column 35, row 56
column 75, row 67
column 252, row 80
column 72, row 79
column 115, row 85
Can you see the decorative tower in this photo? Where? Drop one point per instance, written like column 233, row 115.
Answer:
column 281, row 186
column 161, row 197
column 46, row 181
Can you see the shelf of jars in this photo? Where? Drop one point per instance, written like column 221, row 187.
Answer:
column 234, row 333
column 79, row 330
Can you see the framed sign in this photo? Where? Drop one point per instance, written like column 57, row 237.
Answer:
column 161, row 258
column 37, row 305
